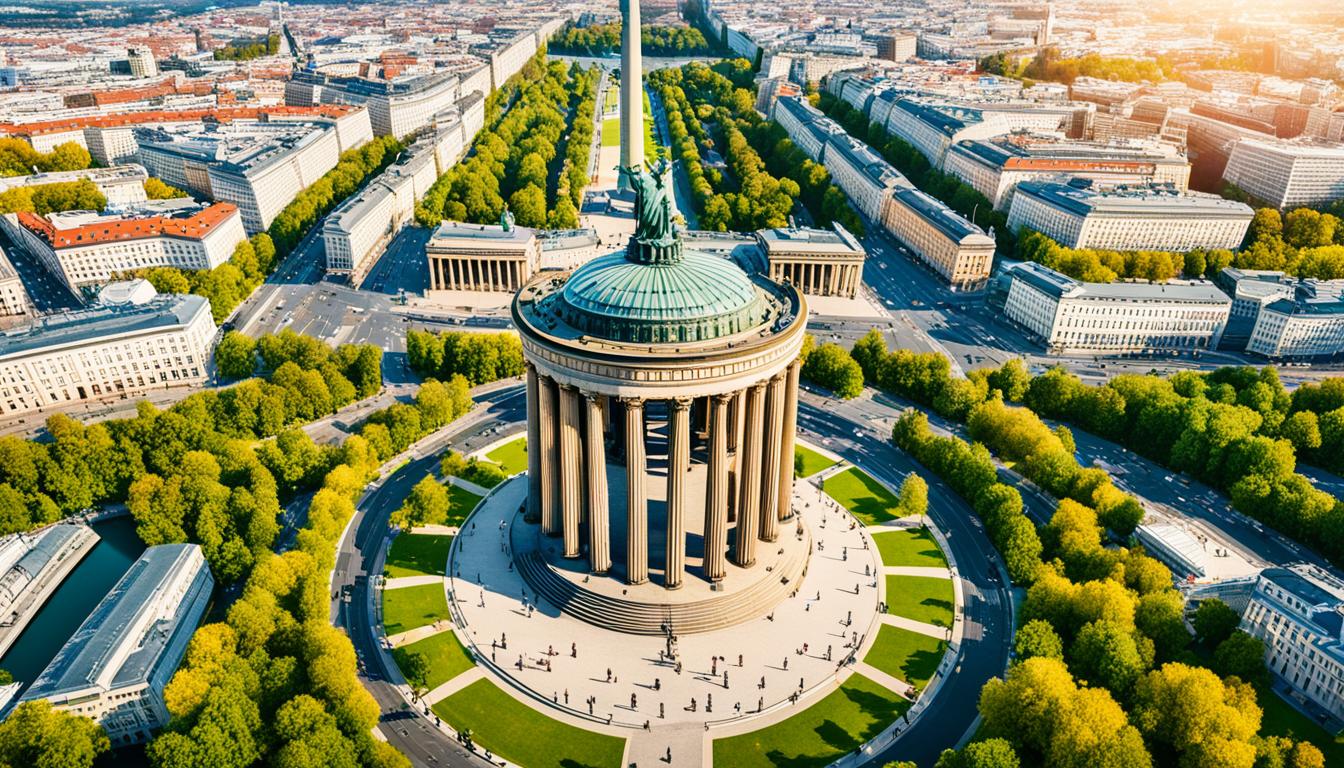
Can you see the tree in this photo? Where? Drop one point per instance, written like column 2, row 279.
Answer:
column 36, row 735
column 990, row 753
column 1105, row 654
column 1215, row 621
column 1037, row 638
column 1242, row 655
column 427, row 504
column 236, row 355
column 831, row 366
column 1206, row 721
column 913, row 499
column 156, row 189
column 415, row 667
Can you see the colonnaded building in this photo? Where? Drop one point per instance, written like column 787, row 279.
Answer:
column 662, row 396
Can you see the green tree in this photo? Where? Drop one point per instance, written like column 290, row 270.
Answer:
column 1205, row 721
column 1037, row 638
column 1243, row 656
column 831, row 366
column 1106, row 654
column 426, row 504
column 990, row 753
column 156, row 189
column 236, row 355
column 36, row 735
column 1215, row 621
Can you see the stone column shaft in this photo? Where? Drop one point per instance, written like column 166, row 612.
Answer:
column 533, row 446
column 571, row 469
column 774, row 423
column 599, row 523
column 716, row 492
column 548, row 422
column 636, row 496
column 788, row 433
column 749, row 477
column 678, row 464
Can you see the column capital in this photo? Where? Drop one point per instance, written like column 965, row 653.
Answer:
column 722, row 398
column 680, row 403
column 759, row 386
column 591, row 396
column 778, row 377
column 631, row 402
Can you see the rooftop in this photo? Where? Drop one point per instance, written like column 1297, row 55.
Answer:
column 101, row 322
column 1147, row 200
column 139, row 629
column 483, row 233
column 69, row 230
column 1062, row 286
column 934, row 211
column 835, row 240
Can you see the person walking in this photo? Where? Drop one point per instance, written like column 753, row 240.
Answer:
column 608, row 674
column 573, row 650
column 632, row 702
column 725, row 678
column 660, row 710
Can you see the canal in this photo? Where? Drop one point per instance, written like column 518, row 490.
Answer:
column 117, row 548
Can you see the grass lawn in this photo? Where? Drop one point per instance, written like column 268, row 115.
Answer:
column 460, row 504
column 611, row 132
column 1282, row 720
column 921, row 598
column 910, row 546
column 852, row 714
column 612, row 97
column 445, row 654
column 522, row 735
column 809, row 460
column 907, row 655
column 511, row 456
column 417, row 554
column 650, row 144
column 869, row 500
column 411, row 607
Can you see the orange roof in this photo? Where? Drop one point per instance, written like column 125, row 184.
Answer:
column 223, row 114
column 1078, row 164
column 194, row 227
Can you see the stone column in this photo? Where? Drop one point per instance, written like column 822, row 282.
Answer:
column 533, row 446
column 571, row 469
column 749, row 477
column 595, row 459
column 678, row 464
column 547, row 447
column 636, row 496
column 716, row 492
column 787, row 433
column 774, row 423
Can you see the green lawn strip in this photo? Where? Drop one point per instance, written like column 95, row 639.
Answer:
column 906, row 655
column 910, row 547
column 444, row 653
column 868, row 499
column 522, row 735
column 460, row 504
column 1282, row 719
column 511, row 456
column 923, row 598
column 810, row 461
column 417, row 554
column 611, row 132
column 851, row 715
column 410, row 607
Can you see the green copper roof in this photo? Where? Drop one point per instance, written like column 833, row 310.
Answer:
column 696, row 298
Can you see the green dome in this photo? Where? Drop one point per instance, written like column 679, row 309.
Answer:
column 695, row 298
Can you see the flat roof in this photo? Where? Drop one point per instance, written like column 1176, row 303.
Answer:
column 1152, row 199
column 1062, row 286
column 946, row 120
column 483, row 233
column 136, row 627
column 934, row 211
column 99, row 322
column 836, row 240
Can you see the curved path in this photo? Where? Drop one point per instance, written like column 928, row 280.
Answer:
column 945, row 722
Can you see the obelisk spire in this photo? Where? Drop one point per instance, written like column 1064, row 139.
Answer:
column 632, row 88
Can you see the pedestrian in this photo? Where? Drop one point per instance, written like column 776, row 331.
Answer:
column 725, row 678
column 608, row 674
column 692, row 703
column 737, row 708
column 632, row 701
column 550, row 650
column 657, row 684
column 844, row 554
column 574, row 650
column 762, row 684
column 660, row 710
column 804, row 647
column 849, row 616
column 800, row 683
column 714, row 665
column 709, row 702
column 548, row 665
column 760, row 704
column 786, row 663
column 669, row 749
column 678, row 667
column 828, row 653
column 566, row 697
column 504, row 641
column 739, row 659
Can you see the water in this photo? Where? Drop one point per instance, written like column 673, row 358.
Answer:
column 68, row 606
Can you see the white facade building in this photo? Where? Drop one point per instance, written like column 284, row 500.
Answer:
column 82, row 248
column 1071, row 317
column 1128, row 218
column 13, row 296
column 114, row 668
column 861, row 174
column 106, row 350
column 1288, row 174
column 1301, row 624
column 1305, row 321
column 121, row 184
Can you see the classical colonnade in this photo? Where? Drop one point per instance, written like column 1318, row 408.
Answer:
column 748, row 435
column 819, row 278
column 471, row 273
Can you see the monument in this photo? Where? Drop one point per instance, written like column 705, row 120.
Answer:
column 662, row 395
column 632, row 89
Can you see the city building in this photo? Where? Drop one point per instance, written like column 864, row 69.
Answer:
column 806, row 126
column 120, row 184
column 109, row 349
column 931, row 128
column 32, row 566
column 482, row 257
column 1149, row 217
column 1308, row 323
column 13, row 297
column 258, row 167
column 114, row 668
column 861, row 174
column 1301, row 623
column 961, row 252
column 396, row 107
column 1071, row 317
column 85, row 248
column 821, row 262
column 1288, row 174
column 995, row 167
column 897, row 46
column 141, row 62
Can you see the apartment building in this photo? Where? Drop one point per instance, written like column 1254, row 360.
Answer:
column 1072, row 317
column 861, row 174
column 146, row 342
column 1301, row 624
column 13, row 297
column 84, row 248
column 1149, row 217
column 115, row 667
column 1288, row 174
column 959, row 251
column 120, row 184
